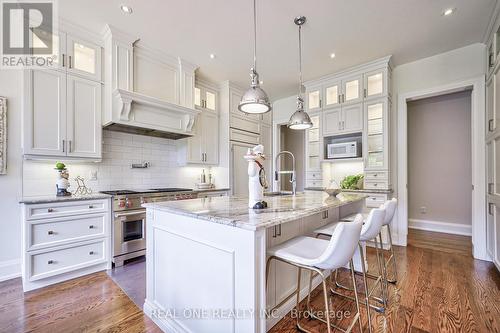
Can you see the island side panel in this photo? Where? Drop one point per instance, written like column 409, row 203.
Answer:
column 199, row 273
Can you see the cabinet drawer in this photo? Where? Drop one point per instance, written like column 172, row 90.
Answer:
column 376, row 175
column 375, row 185
column 314, row 175
column 52, row 232
column 45, row 264
column 375, row 200
column 244, row 124
column 243, row 136
column 50, row 210
column 314, row 183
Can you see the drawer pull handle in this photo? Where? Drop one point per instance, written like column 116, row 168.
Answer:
column 374, row 175
column 91, row 226
column 91, row 253
column 375, row 184
column 50, row 210
column 90, row 206
column 50, row 262
column 374, row 198
column 50, row 232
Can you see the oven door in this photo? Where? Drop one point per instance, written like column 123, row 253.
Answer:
column 129, row 232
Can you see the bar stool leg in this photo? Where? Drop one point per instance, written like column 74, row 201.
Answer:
column 297, row 307
column 358, row 314
column 327, row 305
column 383, row 285
column 392, row 257
column 367, row 296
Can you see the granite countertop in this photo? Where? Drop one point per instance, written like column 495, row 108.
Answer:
column 350, row 191
column 212, row 190
column 234, row 211
column 53, row 198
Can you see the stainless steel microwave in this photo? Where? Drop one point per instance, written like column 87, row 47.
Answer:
column 343, row 150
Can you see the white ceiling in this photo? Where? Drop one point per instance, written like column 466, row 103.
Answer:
column 356, row 30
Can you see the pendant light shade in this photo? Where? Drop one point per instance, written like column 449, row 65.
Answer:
column 255, row 99
column 300, row 120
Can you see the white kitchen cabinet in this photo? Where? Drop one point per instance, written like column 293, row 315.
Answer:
column 239, row 167
column 375, row 84
column 62, row 115
column 313, row 149
column 83, row 132
column 203, row 147
column 352, row 88
column 84, row 58
column 376, row 135
column 58, row 48
column 490, row 230
column 332, row 92
column 491, row 101
column 266, row 139
column 44, row 127
column 205, row 98
column 314, row 98
column 64, row 240
column 345, row 119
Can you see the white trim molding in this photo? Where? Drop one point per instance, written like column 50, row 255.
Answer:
column 10, row 269
column 478, row 156
column 438, row 226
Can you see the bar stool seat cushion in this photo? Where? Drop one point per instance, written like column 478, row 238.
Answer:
column 300, row 250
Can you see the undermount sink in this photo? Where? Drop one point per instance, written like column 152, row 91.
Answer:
column 275, row 194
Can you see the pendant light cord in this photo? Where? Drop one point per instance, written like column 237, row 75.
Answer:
column 300, row 61
column 254, row 35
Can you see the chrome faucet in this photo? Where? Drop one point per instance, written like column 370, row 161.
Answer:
column 293, row 178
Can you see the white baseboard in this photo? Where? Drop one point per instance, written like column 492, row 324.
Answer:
column 438, row 226
column 10, row 269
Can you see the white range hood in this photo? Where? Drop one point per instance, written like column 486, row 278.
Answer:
column 139, row 114
column 147, row 92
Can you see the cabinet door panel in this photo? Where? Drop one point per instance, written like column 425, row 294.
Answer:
column 84, row 58
column 84, row 118
column 332, row 93
column 490, row 230
column 313, row 99
column 375, row 137
column 239, row 169
column 45, row 113
column 194, row 144
column 490, row 103
column 58, row 46
column 375, row 83
column 332, row 122
column 210, row 137
column 351, row 89
column 266, row 139
column 496, row 177
column 352, row 118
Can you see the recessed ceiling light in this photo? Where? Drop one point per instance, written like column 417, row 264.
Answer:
column 448, row 11
column 332, row 55
column 126, row 9
column 212, row 56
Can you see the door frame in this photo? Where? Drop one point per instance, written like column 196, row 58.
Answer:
column 478, row 156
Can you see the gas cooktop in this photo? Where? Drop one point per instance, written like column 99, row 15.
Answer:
column 155, row 190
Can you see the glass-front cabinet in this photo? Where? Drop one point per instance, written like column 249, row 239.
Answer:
column 205, row 98
column 351, row 89
column 84, row 58
column 375, row 84
column 376, row 136
column 313, row 145
column 313, row 99
column 332, row 94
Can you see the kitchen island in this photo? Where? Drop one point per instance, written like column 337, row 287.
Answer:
column 206, row 259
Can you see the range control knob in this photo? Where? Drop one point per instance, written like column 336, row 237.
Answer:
column 128, row 204
column 121, row 204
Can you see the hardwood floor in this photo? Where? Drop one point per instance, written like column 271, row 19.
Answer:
column 440, row 289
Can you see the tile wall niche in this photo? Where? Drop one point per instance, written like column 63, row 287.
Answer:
column 120, row 150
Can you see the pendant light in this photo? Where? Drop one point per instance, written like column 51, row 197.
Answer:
column 300, row 120
column 255, row 99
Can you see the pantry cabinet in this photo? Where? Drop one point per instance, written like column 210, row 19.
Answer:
column 62, row 115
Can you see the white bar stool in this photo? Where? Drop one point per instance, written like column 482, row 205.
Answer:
column 370, row 231
column 318, row 255
column 390, row 209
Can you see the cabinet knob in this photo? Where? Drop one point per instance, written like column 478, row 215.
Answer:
column 375, row 184
column 91, row 253
column 90, row 206
column 50, row 262
column 50, row 210
column 91, row 226
column 50, row 232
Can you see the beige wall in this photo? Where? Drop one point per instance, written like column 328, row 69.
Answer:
column 439, row 158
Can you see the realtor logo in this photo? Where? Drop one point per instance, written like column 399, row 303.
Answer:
column 27, row 33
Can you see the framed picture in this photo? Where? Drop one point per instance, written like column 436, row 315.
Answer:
column 3, row 135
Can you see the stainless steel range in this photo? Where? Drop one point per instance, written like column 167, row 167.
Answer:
column 129, row 218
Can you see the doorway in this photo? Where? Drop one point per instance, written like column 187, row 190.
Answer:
column 292, row 141
column 440, row 164
column 478, row 156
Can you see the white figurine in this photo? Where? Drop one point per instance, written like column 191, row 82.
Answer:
column 62, row 183
column 256, row 177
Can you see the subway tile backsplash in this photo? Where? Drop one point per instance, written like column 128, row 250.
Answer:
column 120, row 150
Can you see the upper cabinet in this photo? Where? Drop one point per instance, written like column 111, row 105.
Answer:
column 376, row 135
column 74, row 55
column 62, row 104
column 375, row 84
column 314, row 98
column 332, row 93
column 205, row 98
column 352, row 88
